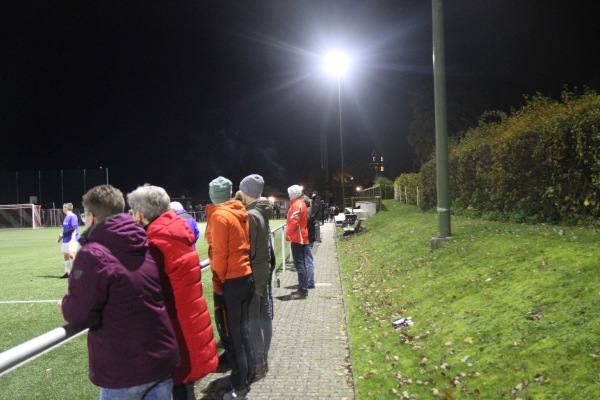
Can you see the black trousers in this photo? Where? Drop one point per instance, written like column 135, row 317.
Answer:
column 232, row 318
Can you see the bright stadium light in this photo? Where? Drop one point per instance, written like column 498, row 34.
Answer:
column 336, row 63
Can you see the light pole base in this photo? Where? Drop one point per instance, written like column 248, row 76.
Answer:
column 438, row 243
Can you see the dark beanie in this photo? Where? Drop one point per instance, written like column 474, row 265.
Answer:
column 252, row 185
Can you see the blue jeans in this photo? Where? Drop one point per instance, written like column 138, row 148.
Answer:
column 157, row 390
column 299, row 255
column 310, row 266
column 261, row 327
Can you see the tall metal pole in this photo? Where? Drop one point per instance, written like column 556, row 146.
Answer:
column 325, row 166
column 441, row 130
column 341, row 143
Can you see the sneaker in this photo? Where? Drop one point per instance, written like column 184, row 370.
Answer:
column 241, row 394
column 311, row 286
column 298, row 295
column 220, row 385
column 66, row 275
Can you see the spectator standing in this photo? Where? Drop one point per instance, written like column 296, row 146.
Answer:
column 297, row 234
column 277, row 210
column 69, row 237
column 177, row 208
column 227, row 234
column 172, row 246
column 115, row 291
column 201, row 211
column 317, row 214
column 260, row 212
column 312, row 225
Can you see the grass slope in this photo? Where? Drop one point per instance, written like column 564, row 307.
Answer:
column 501, row 311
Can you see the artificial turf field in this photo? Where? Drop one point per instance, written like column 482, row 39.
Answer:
column 31, row 263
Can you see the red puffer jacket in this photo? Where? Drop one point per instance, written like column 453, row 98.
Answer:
column 171, row 244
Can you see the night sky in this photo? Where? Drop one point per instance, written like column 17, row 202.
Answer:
column 177, row 93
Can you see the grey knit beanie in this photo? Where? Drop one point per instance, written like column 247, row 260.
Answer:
column 252, row 185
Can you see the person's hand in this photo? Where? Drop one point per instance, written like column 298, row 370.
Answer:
column 59, row 304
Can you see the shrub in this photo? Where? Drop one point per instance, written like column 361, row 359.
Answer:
column 541, row 163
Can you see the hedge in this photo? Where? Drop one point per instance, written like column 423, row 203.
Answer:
column 540, row 163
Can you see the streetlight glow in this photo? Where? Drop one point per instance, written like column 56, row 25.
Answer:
column 336, row 63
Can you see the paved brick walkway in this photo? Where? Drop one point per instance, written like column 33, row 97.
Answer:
column 309, row 356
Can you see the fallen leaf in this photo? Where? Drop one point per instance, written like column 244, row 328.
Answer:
column 469, row 340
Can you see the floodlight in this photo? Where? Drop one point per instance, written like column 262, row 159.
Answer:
column 336, row 63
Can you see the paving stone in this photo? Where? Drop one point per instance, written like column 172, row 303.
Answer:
column 310, row 345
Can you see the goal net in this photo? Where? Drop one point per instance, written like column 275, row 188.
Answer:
column 20, row 216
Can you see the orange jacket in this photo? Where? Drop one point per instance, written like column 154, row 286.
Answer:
column 296, row 229
column 172, row 245
column 228, row 237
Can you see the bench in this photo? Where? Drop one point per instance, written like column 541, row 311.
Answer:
column 345, row 219
column 350, row 230
column 349, row 220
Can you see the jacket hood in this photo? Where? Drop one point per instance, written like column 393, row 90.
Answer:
column 234, row 207
column 119, row 231
column 171, row 226
column 263, row 206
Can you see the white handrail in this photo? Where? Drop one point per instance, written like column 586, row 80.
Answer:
column 32, row 349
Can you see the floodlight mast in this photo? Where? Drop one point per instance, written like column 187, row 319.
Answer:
column 441, row 129
column 336, row 63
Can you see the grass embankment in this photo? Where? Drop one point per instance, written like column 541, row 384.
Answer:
column 501, row 311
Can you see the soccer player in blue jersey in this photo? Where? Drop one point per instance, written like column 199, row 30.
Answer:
column 69, row 237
